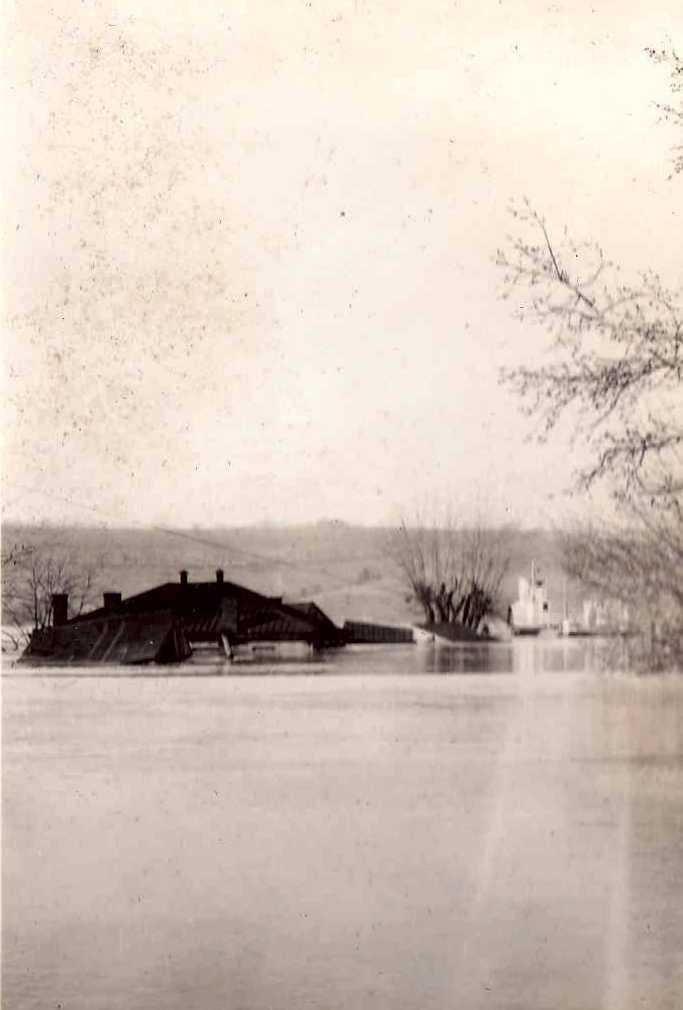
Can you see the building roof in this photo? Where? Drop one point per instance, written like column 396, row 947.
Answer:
column 113, row 638
column 311, row 609
column 201, row 606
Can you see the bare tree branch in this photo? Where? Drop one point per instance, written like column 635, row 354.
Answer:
column 616, row 370
column 30, row 577
column 617, row 362
column 454, row 573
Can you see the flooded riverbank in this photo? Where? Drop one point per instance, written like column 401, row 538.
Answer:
column 489, row 827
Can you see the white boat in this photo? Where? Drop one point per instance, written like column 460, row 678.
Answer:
column 529, row 613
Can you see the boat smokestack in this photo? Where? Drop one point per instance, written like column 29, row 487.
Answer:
column 183, row 578
column 220, row 578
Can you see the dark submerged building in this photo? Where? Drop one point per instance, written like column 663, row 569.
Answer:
column 161, row 625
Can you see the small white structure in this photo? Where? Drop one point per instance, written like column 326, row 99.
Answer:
column 529, row 612
column 263, row 652
column 606, row 616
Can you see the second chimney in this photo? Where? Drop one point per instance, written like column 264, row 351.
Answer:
column 219, row 576
column 60, row 609
column 112, row 601
column 183, row 578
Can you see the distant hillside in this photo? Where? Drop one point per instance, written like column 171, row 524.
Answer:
column 347, row 569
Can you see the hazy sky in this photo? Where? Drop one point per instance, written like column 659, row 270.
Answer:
column 249, row 246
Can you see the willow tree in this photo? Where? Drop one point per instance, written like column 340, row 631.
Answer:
column 616, row 371
column 453, row 573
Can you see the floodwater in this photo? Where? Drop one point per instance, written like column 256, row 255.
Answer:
column 483, row 827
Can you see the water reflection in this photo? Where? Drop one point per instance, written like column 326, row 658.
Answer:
column 526, row 656
column 520, row 656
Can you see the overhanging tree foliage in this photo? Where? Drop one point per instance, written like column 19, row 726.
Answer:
column 617, row 366
column 671, row 111
column 615, row 370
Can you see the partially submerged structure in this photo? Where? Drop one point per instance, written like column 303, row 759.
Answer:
column 161, row 625
column 124, row 639
column 364, row 633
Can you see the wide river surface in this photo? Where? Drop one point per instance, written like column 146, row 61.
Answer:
column 482, row 827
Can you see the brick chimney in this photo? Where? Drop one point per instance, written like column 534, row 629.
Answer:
column 220, row 579
column 60, row 609
column 183, row 578
column 112, row 601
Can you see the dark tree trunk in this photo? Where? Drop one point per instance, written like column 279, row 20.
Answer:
column 466, row 610
column 449, row 607
column 441, row 601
